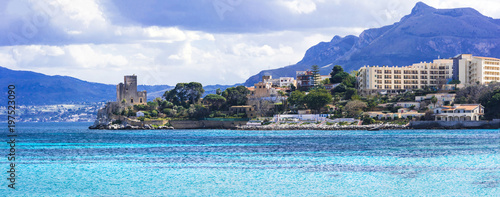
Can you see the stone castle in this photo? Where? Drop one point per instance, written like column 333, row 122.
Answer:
column 128, row 92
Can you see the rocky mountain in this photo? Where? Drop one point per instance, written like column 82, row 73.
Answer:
column 38, row 89
column 425, row 34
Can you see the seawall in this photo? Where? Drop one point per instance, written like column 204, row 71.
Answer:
column 494, row 124
column 206, row 124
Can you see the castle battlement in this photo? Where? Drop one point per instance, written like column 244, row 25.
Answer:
column 128, row 91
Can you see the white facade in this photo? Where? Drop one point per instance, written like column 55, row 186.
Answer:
column 463, row 112
column 287, row 82
column 441, row 99
column 407, row 104
column 380, row 115
column 473, row 69
column 416, row 76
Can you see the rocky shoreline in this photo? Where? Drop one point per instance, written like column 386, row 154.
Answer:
column 128, row 127
column 323, row 127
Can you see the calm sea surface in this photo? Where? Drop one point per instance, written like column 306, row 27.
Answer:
column 67, row 159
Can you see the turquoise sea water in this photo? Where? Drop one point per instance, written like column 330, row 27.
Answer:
column 67, row 159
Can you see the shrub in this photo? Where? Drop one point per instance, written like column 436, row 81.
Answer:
column 368, row 120
column 154, row 113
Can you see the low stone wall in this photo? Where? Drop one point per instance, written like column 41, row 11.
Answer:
column 206, row 124
column 494, row 124
column 323, row 127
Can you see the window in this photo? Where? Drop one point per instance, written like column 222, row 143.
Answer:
column 492, row 78
column 491, row 68
column 491, row 73
column 491, row 63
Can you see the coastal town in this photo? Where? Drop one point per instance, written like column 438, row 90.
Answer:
column 458, row 92
column 78, row 112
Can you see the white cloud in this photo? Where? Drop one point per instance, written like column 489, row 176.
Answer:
column 96, row 49
column 300, row 6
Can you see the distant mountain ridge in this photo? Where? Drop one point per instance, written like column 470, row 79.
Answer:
column 38, row 89
column 425, row 34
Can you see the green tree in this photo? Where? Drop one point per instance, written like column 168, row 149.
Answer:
column 236, row 95
column 491, row 103
column 434, row 100
column 355, row 108
column 335, row 70
column 292, row 87
column 317, row 98
column 197, row 111
column 152, row 105
column 325, row 81
column 215, row 101
column 349, row 81
column 154, row 113
column 218, row 91
column 185, row 93
column 350, row 93
column 339, row 77
column 456, row 82
column 296, row 99
column 368, row 121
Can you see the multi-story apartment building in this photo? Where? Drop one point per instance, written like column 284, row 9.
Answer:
column 396, row 79
column 305, row 79
column 287, row 81
column 472, row 69
column 281, row 82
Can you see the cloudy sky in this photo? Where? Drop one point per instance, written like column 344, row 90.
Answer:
column 171, row 41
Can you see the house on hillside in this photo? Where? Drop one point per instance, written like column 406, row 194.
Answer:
column 460, row 112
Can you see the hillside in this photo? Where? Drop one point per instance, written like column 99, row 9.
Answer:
column 423, row 35
column 38, row 89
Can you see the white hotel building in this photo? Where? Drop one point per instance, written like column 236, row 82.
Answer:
column 467, row 68
column 472, row 69
column 394, row 79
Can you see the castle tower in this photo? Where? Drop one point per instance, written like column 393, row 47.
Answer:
column 127, row 92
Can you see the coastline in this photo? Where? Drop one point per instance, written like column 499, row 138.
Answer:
column 241, row 125
column 323, row 127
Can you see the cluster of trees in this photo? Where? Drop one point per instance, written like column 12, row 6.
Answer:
column 184, row 102
column 347, row 87
column 318, row 96
column 488, row 96
column 315, row 100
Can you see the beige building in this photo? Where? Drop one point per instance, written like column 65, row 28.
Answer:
column 460, row 112
column 471, row 69
column 394, row 79
column 246, row 109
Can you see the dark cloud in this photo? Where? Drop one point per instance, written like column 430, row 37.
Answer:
column 256, row 15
